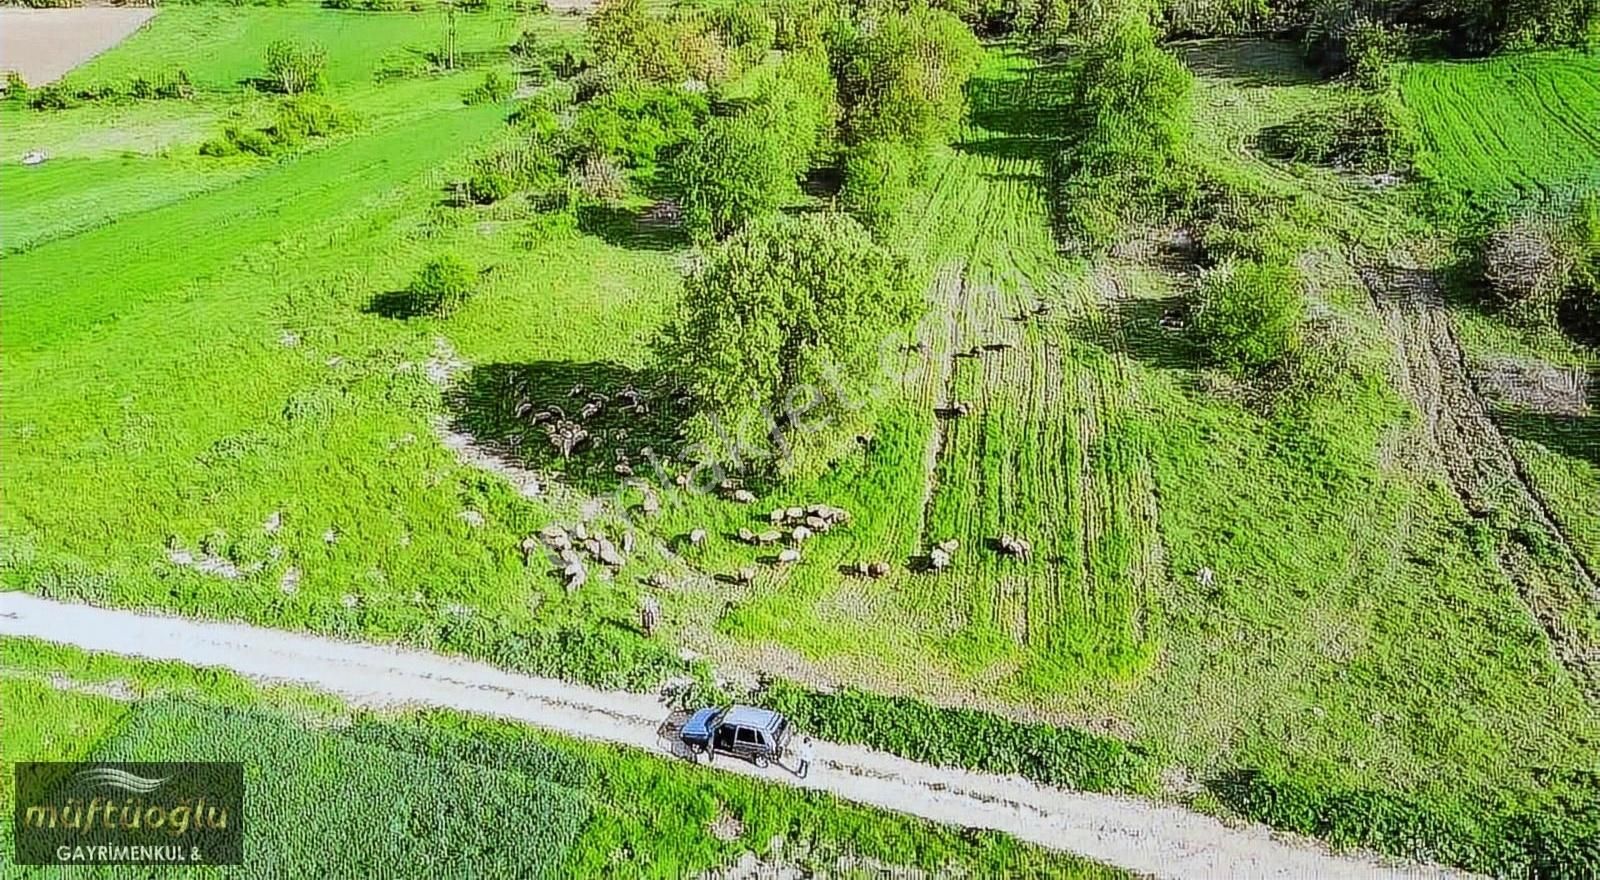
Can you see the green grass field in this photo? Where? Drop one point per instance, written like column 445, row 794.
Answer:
column 437, row 794
column 1496, row 129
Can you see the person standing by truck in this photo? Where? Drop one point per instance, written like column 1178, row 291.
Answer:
column 803, row 756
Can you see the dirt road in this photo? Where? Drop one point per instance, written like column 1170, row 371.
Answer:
column 1159, row 840
column 43, row 44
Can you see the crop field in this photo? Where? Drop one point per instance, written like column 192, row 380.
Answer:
column 466, row 797
column 1496, row 129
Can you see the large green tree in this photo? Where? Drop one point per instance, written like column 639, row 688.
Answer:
column 788, row 315
column 903, row 75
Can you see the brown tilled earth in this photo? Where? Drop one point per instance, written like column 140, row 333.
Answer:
column 43, row 44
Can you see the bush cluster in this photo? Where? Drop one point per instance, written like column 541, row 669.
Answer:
column 1250, row 315
column 495, row 88
column 965, row 738
column 879, row 178
column 1131, row 125
column 1552, row 842
column 167, row 85
column 442, row 285
column 902, row 76
column 1367, row 131
column 1543, row 263
column 747, row 164
column 293, row 68
column 298, row 119
column 526, row 167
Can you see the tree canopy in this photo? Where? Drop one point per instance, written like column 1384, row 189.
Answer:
column 785, row 316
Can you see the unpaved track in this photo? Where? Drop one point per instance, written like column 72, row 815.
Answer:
column 43, row 44
column 1461, row 437
column 1159, row 840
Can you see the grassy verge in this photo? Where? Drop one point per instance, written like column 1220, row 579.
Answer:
column 481, row 796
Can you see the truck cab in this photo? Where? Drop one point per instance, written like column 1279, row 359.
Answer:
column 757, row 735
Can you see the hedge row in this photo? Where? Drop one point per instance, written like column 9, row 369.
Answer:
column 965, row 738
column 1554, row 842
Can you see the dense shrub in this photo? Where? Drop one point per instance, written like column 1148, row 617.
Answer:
column 965, row 738
column 632, row 44
column 16, row 88
column 495, row 88
column 1551, row 842
column 1234, row 217
column 304, row 116
column 635, row 125
column 1250, row 315
column 1368, row 131
column 798, row 99
column 736, row 171
column 785, row 315
column 166, row 85
column 442, row 285
column 903, row 76
column 292, row 68
column 878, row 181
column 527, row 167
column 1131, row 124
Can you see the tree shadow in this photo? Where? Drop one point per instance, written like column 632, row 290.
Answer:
column 1151, row 331
column 1247, row 61
column 397, row 304
column 1574, row 436
column 653, row 229
column 625, row 420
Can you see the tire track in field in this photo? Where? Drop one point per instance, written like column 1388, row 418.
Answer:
column 1462, row 438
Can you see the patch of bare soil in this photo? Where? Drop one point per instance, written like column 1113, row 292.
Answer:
column 1461, row 438
column 43, row 44
column 1533, row 386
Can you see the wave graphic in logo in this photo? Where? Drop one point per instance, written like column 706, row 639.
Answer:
column 114, row 778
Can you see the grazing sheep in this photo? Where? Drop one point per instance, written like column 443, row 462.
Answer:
column 650, row 504
column 746, row 575
column 590, row 410
column 697, row 537
column 788, row 555
column 608, row 554
column 747, row 536
column 681, row 480
column 800, row 534
column 529, row 545
column 771, row 536
column 581, row 532
column 623, row 469
column 576, row 575
column 938, row 560
column 523, row 409
column 658, row 580
column 878, row 569
column 777, row 516
column 862, row 569
column 577, row 390
column 542, row 416
column 1015, row 547
column 728, row 485
column 949, row 547
column 743, row 496
column 961, row 408
column 570, row 555
column 627, row 542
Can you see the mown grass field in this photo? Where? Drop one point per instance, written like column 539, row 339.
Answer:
column 208, row 371
column 439, row 794
column 1506, row 127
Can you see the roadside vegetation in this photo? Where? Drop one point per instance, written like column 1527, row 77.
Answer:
column 465, row 795
column 1153, row 372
